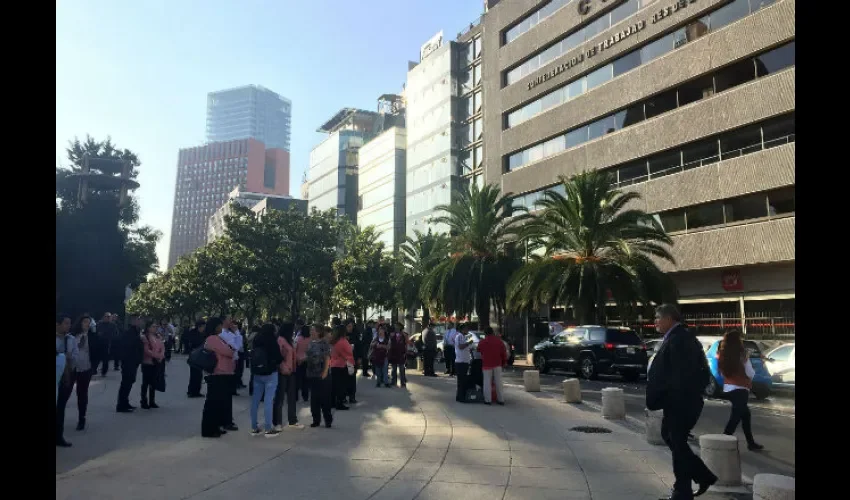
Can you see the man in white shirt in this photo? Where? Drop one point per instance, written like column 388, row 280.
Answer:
column 463, row 356
column 448, row 349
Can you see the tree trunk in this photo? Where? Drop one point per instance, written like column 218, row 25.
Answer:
column 482, row 309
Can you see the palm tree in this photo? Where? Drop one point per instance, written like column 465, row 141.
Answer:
column 417, row 257
column 483, row 233
column 594, row 249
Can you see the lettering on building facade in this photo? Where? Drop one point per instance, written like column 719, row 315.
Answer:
column 608, row 42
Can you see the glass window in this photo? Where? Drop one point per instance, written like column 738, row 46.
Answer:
column 729, row 13
column 630, row 116
column 554, row 146
column 623, row 12
column 626, row 63
column 476, row 102
column 742, row 141
column 572, row 41
column 476, row 75
column 709, row 214
column 778, row 132
column 657, row 48
column 465, row 162
column 477, row 47
column 551, row 100
column 479, row 156
column 746, row 207
column 601, row 127
column 598, row 26
column 515, row 161
column 781, row 201
column 600, row 76
column 776, row 60
column 535, row 153
column 632, row 173
column 664, row 163
column 575, row 89
column 759, row 4
column 700, row 153
column 782, row 353
column 576, row 137
column 660, row 103
column 532, row 109
column 479, row 128
column 672, row 221
column 696, row 89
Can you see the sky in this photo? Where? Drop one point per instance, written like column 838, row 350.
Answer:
column 140, row 72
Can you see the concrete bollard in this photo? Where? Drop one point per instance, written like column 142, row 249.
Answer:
column 420, row 364
column 653, row 426
column 773, row 487
column 613, row 403
column 720, row 454
column 572, row 390
column 529, row 358
column 531, row 380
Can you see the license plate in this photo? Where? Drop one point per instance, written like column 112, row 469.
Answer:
column 630, row 350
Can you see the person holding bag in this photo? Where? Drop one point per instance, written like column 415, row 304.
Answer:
column 738, row 372
column 152, row 361
column 342, row 355
column 378, row 351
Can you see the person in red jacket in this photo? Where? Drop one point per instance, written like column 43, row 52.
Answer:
column 493, row 358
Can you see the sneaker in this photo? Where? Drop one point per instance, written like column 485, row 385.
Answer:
column 501, row 403
column 294, row 427
column 278, row 427
column 256, row 432
column 272, row 433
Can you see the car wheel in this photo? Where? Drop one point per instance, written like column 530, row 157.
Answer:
column 588, row 368
column 761, row 394
column 630, row 375
column 541, row 364
column 712, row 390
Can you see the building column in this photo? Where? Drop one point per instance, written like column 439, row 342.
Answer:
column 743, row 314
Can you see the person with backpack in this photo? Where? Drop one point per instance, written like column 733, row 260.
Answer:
column 217, row 418
column 266, row 358
column 342, row 356
column 286, row 382
column 378, row 356
column 317, row 373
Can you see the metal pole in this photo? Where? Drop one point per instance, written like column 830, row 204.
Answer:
column 525, row 313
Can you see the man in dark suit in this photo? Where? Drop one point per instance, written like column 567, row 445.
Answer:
column 192, row 340
column 132, row 353
column 675, row 383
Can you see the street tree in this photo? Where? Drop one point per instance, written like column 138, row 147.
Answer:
column 417, row 257
column 362, row 273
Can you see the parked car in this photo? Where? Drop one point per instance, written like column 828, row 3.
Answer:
column 590, row 350
column 475, row 337
column 762, row 384
column 652, row 346
column 416, row 340
column 781, row 363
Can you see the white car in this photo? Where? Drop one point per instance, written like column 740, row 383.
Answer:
column 781, row 363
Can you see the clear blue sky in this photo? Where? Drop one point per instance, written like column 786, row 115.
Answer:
column 140, row 71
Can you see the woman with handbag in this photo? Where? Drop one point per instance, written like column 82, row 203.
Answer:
column 342, row 356
column 218, row 404
column 154, row 354
column 737, row 370
column 80, row 372
column 378, row 356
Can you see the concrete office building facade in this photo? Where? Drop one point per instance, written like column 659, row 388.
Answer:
column 688, row 102
column 381, row 186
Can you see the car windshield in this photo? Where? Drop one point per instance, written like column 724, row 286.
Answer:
column 627, row 337
column 753, row 349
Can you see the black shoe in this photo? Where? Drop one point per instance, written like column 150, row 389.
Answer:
column 231, row 427
column 754, row 446
column 352, row 401
column 703, row 487
column 388, row 386
column 198, row 395
column 153, row 405
column 342, row 407
column 500, row 403
column 62, row 443
column 124, row 409
column 213, row 435
column 81, row 424
column 328, row 425
column 365, row 375
column 403, row 386
column 378, row 384
column 145, row 405
column 488, row 404
column 315, row 424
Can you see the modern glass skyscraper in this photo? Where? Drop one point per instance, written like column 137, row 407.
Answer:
column 249, row 112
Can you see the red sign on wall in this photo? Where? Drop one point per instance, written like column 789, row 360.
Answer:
column 731, row 280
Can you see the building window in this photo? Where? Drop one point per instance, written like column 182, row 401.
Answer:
column 746, row 207
column 709, row 214
column 269, row 175
column 781, row 201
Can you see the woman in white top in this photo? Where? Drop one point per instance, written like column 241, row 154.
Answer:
column 734, row 363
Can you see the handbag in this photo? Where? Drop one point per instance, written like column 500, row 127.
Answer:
column 159, row 383
column 350, row 367
column 202, row 359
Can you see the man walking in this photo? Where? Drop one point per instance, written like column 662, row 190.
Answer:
column 132, row 353
column 462, row 359
column 675, row 383
column 429, row 338
column 448, row 349
column 192, row 340
column 493, row 357
column 108, row 332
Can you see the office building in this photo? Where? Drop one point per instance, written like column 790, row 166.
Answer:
column 439, row 130
column 257, row 202
column 381, row 183
column 691, row 103
column 249, row 112
column 207, row 174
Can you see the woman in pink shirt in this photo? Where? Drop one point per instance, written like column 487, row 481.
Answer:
column 286, row 381
column 154, row 353
column 218, row 407
column 341, row 356
column 302, row 342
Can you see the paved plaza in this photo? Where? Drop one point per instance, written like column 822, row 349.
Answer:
column 396, row 445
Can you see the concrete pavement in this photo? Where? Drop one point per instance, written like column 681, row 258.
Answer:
column 396, row 444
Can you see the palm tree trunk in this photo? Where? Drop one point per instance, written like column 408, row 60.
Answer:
column 482, row 309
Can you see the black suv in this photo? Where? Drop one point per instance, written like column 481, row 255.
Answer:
column 591, row 350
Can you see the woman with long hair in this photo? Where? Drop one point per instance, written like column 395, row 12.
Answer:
column 342, row 355
column 398, row 355
column 82, row 370
column 302, row 342
column 152, row 366
column 286, row 381
column 378, row 356
column 353, row 335
column 217, row 418
column 737, row 370
column 267, row 357
column 317, row 363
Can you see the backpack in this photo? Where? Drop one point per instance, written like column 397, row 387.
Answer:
column 202, row 359
column 260, row 364
column 315, row 360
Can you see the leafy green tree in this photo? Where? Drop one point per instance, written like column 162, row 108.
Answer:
column 483, row 231
column 417, row 257
column 592, row 247
column 362, row 273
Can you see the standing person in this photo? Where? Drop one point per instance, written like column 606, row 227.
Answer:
column 67, row 345
column 463, row 356
column 286, row 386
column 429, row 338
column 166, row 332
column 448, row 349
column 217, row 417
column 266, row 359
column 242, row 354
column 379, row 356
column 192, row 340
column 248, row 340
column 302, row 342
column 737, row 370
column 63, row 325
column 132, row 353
column 115, row 343
column 152, row 363
column 675, row 382
column 365, row 342
column 106, row 332
column 493, row 358
column 228, row 335
column 353, row 334
column 318, row 362
column 83, row 366
column 341, row 357
column 398, row 356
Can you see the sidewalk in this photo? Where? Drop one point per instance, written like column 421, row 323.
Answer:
column 396, row 444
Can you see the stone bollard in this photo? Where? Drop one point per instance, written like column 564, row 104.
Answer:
column 529, row 358
column 773, row 487
column 572, row 390
column 531, row 380
column 613, row 403
column 420, row 364
column 720, row 454
column 653, row 426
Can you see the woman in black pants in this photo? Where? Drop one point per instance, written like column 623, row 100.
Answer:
column 217, row 417
column 737, row 370
column 342, row 355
